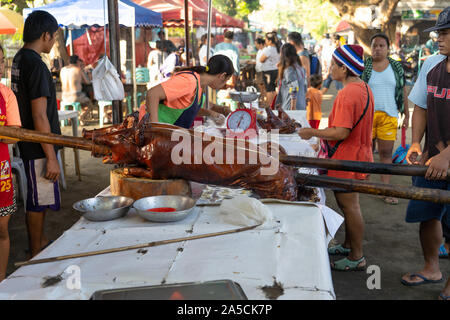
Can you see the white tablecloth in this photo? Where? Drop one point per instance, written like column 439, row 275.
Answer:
column 294, row 254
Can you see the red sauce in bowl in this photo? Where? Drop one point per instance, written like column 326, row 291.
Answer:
column 162, row 209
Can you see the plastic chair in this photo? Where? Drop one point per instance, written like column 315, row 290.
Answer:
column 139, row 98
column 142, row 75
column 129, row 104
column 129, row 100
column 101, row 110
column 74, row 105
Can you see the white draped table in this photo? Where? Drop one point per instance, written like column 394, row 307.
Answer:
column 293, row 254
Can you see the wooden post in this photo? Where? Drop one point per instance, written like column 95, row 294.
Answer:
column 133, row 67
column 114, row 38
column 208, row 42
column 70, row 42
column 186, row 31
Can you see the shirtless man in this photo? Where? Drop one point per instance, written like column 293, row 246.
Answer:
column 72, row 78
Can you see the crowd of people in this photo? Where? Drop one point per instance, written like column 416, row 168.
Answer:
column 366, row 112
column 371, row 96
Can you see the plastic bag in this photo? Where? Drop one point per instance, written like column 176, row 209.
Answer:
column 106, row 81
column 400, row 153
column 246, row 211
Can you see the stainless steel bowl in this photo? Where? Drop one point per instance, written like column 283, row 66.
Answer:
column 244, row 96
column 104, row 208
column 182, row 204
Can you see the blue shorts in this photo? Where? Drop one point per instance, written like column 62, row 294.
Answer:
column 421, row 211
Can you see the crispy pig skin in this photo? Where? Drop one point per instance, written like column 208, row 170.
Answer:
column 149, row 150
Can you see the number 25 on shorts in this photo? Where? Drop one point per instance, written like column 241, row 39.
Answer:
column 5, row 185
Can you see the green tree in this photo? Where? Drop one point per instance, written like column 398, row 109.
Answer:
column 317, row 16
column 348, row 10
column 313, row 16
column 237, row 8
column 19, row 5
column 58, row 50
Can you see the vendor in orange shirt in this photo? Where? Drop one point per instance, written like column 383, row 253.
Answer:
column 180, row 99
column 314, row 101
column 349, row 136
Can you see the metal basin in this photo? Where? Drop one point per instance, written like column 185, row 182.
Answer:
column 182, row 204
column 244, row 96
column 104, row 208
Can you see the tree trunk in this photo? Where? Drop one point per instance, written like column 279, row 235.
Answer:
column 364, row 29
column 59, row 50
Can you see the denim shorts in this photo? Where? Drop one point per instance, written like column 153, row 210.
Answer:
column 421, row 211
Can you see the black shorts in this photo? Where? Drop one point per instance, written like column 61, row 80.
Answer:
column 420, row 211
column 270, row 80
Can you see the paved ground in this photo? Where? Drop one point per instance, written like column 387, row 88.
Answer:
column 389, row 242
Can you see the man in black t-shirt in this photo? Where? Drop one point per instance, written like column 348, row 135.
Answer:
column 432, row 119
column 34, row 88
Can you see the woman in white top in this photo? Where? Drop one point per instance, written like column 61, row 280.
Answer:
column 155, row 61
column 270, row 57
column 204, row 49
column 259, row 44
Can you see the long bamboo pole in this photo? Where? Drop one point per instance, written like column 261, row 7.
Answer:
column 331, row 164
column 414, row 193
column 51, row 138
column 356, row 166
column 138, row 246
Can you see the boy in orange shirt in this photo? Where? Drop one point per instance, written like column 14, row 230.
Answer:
column 314, row 101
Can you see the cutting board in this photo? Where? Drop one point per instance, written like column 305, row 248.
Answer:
column 137, row 188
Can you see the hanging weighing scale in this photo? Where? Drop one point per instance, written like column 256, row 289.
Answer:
column 241, row 123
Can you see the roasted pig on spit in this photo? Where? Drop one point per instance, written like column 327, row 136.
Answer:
column 150, row 150
column 283, row 122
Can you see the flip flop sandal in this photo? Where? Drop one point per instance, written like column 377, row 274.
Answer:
column 339, row 250
column 424, row 280
column 443, row 296
column 443, row 252
column 348, row 265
